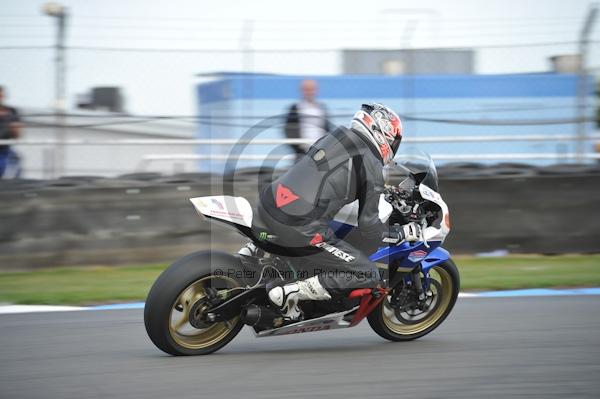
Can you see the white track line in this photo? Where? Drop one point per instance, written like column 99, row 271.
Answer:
column 12, row 309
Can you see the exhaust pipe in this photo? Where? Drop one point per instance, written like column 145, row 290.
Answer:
column 261, row 317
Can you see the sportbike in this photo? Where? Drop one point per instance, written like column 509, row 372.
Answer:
column 202, row 301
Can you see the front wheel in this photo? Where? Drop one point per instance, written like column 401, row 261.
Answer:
column 396, row 319
column 173, row 312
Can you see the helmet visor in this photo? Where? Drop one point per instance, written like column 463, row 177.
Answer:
column 396, row 144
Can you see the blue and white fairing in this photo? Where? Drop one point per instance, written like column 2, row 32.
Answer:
column 428, row 251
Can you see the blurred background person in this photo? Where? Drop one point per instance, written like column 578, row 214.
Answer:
column 306, row 119
column 10, row 128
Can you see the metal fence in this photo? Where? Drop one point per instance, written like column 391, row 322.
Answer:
column 174, row 160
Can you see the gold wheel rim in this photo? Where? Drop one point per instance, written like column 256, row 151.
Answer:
column 442, row 296
column 180, row 328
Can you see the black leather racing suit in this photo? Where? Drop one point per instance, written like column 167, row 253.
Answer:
column 338, row 169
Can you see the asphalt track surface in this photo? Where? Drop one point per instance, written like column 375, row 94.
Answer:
column 545, row 347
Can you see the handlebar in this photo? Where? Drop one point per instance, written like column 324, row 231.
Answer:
column 408, row 204
column 396, row 236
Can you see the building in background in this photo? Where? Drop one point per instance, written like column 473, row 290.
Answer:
column 103, row 160
column 251, row 106
column 102, row 98
column 405, row 62
column 244, row 107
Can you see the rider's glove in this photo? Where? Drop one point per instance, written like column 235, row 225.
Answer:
column 396, row 234
column 412, row 232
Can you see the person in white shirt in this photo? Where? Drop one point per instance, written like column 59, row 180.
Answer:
column 307, row 119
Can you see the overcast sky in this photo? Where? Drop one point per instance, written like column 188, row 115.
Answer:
column 163, row 82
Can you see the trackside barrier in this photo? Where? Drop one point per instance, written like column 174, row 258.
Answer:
column 148, row 218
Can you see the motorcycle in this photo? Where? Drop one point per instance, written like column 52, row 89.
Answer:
column 202, row 301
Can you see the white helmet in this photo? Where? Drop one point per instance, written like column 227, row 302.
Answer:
column 380, row 125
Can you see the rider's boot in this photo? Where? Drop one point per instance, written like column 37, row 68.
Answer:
column 251, row 250
column 286, row 298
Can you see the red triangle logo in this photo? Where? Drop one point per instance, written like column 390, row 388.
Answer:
column 318, row 238
column 284, row 196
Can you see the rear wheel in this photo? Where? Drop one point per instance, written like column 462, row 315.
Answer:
column 176, row 306
column 396, row 319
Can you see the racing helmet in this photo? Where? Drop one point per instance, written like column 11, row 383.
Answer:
column 380, row 125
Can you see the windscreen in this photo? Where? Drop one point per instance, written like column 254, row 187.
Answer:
column 415, row 164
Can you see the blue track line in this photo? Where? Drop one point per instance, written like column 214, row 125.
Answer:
column 118, row 306
column 539, row 292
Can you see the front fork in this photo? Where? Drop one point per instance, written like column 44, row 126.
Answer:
column 413, row 279
column 421, row 284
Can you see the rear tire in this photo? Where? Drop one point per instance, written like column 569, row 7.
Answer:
column 172, row 297
column 388, row 325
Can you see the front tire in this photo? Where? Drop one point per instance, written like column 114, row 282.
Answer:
column 385, row 321
column 174, row 295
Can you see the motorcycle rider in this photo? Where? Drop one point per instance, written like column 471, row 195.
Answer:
column 341, row 167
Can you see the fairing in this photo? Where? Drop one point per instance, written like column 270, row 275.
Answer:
column 410, row 255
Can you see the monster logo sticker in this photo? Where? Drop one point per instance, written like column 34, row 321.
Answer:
column 264, row 236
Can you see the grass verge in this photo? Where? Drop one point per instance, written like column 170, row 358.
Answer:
column 532, row 271
column 93, row 285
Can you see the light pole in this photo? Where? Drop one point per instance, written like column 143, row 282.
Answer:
column 60, row 13
column 583, row 81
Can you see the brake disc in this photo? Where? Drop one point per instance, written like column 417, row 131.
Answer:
column 415, row 312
